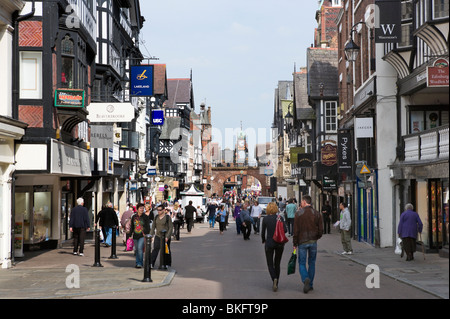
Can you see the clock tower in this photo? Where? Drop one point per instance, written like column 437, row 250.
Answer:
column 241, row 151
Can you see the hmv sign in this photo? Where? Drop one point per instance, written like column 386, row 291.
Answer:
column 158, row 117
column 388, row 27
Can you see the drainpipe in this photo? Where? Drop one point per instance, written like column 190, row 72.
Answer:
column 15, row 109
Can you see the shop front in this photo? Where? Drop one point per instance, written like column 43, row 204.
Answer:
column 45, row 192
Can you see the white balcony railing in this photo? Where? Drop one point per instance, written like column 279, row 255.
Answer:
column 427, row 145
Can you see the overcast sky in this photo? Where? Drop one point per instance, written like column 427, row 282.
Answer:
column 238, row 50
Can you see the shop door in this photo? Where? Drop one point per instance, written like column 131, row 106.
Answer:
column 66, row 209
column 435, row 214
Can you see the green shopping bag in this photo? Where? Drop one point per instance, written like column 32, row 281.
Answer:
column 292, row 262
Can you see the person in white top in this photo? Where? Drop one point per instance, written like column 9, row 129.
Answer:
column 256, row 215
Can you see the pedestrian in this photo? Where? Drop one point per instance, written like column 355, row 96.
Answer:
column 237, row 216
column 125, row 221
column 345, row 224
column 246, row 221
column 308, row 228
column 108, row 219
column 256, row 215
column 189, row 214
column 273, row 250
column 79, row 224
column 161, row 228
column 211, row 211
column 222, row 218
column 140, row 226
column 291, row 208
column 408, row 227
column 177, row 220
column 326, row 214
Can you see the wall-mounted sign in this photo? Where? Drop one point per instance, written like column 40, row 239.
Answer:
column 110, row 112
column 69, row 98
column 141, row 80
column 438, row 75
column 158, row 117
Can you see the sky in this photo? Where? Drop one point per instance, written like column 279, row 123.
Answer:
column 237, row 50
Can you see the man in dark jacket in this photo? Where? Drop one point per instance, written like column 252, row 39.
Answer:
column 108, row 219
column 308, row 228
column 189, row 213
column 246, row 221
column 79, row 224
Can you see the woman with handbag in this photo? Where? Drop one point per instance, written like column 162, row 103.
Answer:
column 274, row 247
column 221, row 217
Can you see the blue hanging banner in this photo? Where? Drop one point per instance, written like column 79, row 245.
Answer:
column 158, row 117
column 141, row 81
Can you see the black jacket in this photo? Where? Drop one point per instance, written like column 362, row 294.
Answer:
column 269, row 223
column 189, row 211
column 79, row 218
column 108, row 217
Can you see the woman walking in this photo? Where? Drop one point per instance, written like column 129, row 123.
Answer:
column 222, row 221
column 274, row 250
column 177, row 217
column 140, row 226
column 161, row 228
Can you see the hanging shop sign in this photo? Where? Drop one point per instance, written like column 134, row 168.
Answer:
column 329, row 155
column 158, row 117
column 141, row 80
column 110, row 112
column 438, row 75
column 102, row 136
column 364, row 127
column 69, row 98
column 388, row 21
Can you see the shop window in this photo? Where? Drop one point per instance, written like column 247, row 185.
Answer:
column 422, row 120
column 30, row 75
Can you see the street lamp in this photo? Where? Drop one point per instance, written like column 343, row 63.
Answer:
column 351, row 48
column 289, row 120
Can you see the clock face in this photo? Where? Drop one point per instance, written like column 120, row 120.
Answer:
column 241, row 143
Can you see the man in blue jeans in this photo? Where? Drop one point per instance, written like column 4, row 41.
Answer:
column 308, row 228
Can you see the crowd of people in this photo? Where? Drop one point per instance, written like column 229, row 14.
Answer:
column 302, row 222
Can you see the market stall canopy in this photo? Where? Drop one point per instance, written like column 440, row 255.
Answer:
column 192, row 191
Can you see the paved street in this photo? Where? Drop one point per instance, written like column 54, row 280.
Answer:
column 207, row 265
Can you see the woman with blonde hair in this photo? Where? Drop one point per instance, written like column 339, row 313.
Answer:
column 177, row 218
column 273, row 250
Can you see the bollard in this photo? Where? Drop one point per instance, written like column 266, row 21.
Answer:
column 147, row 268
column 162, row 250
column 97, row 249
column 113, row 243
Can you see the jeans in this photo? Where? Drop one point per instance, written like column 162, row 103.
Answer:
column 108, row 233
column 307, row 251
column 139, row 247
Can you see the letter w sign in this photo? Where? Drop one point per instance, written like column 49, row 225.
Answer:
column 388, row 28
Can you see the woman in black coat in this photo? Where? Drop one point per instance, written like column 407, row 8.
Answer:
column 274, row 250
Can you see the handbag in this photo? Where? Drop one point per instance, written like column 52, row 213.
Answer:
column 398, row 247
column 292, row 262
column 279, row 236
column 130, row 244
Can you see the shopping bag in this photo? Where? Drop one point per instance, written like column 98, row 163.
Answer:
column 292, row 262
column 130, row 244
column 398, row 247
column 279, row 236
